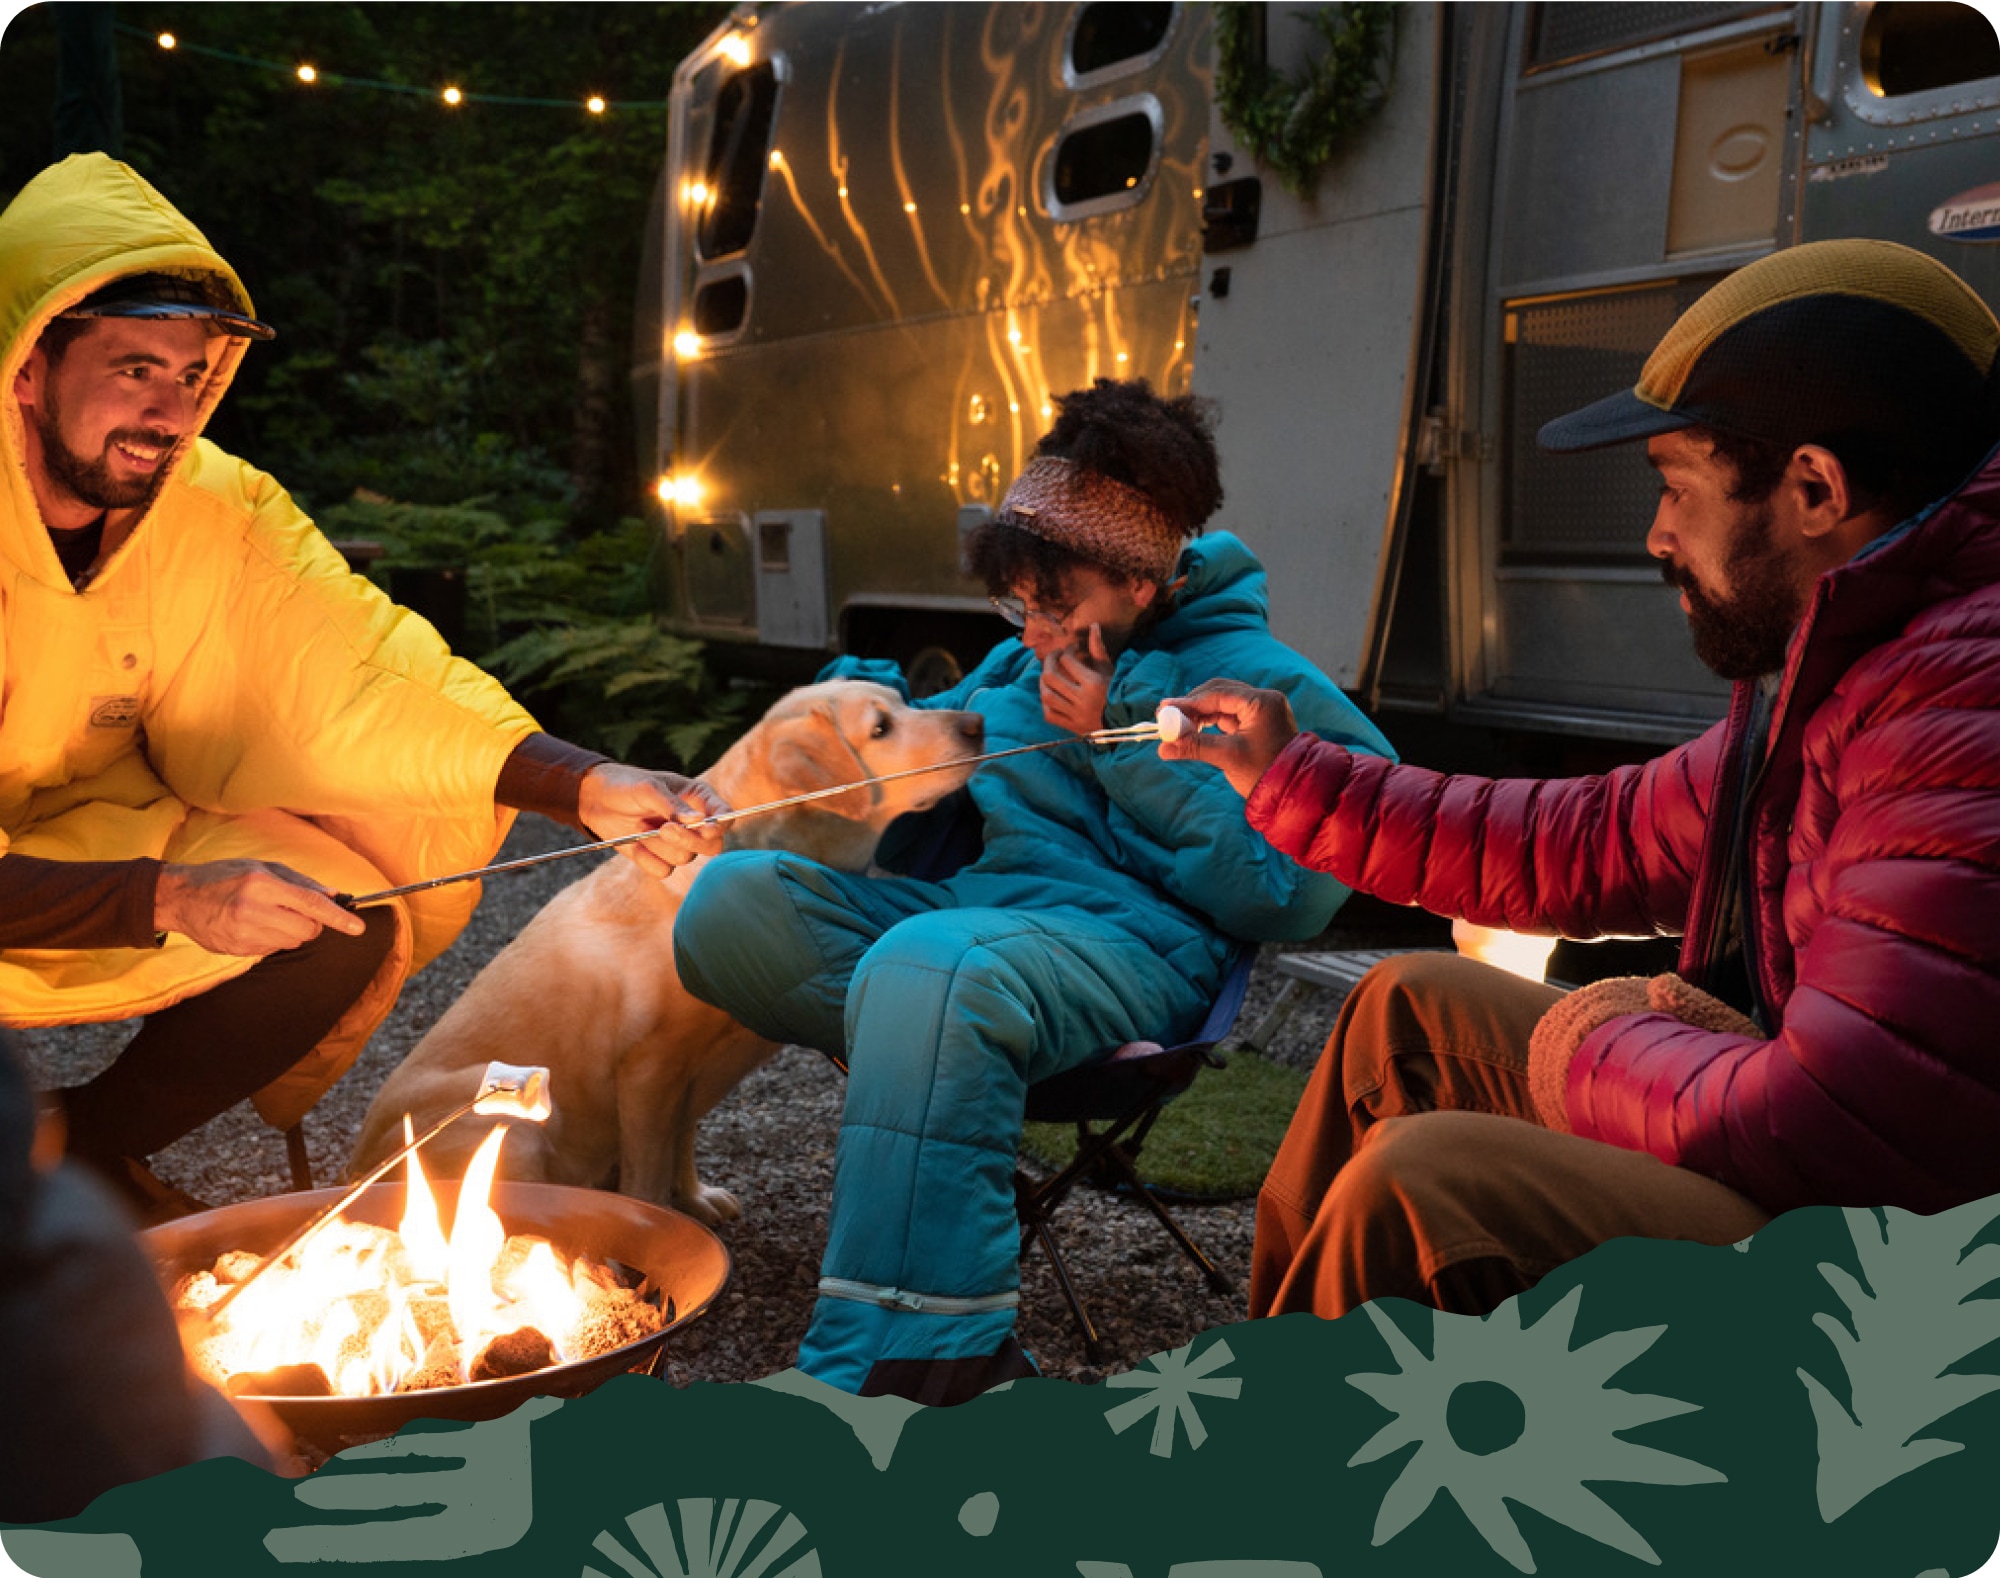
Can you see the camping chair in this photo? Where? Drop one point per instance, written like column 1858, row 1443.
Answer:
column 1113, row 1102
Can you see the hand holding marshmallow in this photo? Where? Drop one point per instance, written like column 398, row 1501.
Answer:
column 1235, row 727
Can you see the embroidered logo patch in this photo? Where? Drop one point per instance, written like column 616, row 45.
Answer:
column 114, row 712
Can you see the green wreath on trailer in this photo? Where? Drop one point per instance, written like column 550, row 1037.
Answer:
column 1293, row 122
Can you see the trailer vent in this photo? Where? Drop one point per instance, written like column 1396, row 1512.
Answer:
column 1105, row 37
column 1562, row 33
column 738, row 152
column 1910, row 48
column 1561, row 355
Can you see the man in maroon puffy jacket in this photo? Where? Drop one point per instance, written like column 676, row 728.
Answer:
column 1823, row 424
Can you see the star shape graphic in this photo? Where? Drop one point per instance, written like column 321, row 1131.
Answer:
column 1171, row 1386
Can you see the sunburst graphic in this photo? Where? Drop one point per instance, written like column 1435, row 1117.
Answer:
column 1171, row 1387
column 717, row 1540
column 1505, row 1414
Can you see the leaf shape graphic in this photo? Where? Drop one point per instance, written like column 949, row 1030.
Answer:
column 1910, row 1319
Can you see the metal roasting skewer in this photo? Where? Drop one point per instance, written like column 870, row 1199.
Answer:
column 1139, row 733
column 506, row 1090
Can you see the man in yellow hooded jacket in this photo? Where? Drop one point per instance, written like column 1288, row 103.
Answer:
column 208, row 725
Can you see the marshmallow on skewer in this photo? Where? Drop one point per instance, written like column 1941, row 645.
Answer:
column 1173, row 723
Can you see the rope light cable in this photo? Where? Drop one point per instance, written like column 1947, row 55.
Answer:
column 317, row 77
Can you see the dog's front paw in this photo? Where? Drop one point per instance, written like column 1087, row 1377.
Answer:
column 710, row 1205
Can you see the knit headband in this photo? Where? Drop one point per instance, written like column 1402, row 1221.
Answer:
column 1094, row 516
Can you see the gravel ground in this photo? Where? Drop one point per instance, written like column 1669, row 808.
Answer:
column 771, row 1144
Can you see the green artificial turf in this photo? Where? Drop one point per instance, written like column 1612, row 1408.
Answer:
column 1216, row 1142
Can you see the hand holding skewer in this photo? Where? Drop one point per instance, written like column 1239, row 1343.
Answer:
column 677, row 814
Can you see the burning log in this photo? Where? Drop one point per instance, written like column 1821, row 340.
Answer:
column 516, row 1353
column 287, row 1380
column 440, row 1367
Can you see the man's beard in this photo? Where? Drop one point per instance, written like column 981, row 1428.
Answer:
column 90, row 481
column 1746, row 634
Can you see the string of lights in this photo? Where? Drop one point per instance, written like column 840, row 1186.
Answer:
column 450, row 94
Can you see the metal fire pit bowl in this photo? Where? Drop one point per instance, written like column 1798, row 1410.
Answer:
column 674, row 1251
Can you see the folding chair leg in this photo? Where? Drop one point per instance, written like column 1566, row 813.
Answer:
column 1029, row 1207
column 1217, row 1281
column 295, row 1153
column 1093, row 1347
column 1118, row 1160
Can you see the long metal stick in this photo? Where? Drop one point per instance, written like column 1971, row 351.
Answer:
column 508, row 1090
column 1135, row 733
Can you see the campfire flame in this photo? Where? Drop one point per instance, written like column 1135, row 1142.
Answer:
column 381, row 1311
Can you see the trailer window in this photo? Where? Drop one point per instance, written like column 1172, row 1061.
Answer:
column 720, row 305
column 1104, row 36
column 738, row 152
column 1104, row 159
column 1910, row 48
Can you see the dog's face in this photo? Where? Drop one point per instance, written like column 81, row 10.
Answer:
column 845, row 731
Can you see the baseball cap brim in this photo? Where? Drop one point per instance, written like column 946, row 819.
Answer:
column 231, row 323
column 1616, row 419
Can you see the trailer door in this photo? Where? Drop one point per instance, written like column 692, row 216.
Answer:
column 1645, row 151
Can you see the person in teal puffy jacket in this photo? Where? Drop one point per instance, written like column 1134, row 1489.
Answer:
column 1113, row 890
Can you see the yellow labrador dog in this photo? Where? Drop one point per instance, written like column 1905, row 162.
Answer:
column 589, row 987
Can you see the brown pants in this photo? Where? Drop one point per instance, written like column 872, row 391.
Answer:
column 1415, row 1166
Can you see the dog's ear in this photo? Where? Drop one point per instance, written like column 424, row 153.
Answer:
column 812, row 754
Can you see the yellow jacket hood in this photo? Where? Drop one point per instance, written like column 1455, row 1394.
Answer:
column 70, row 231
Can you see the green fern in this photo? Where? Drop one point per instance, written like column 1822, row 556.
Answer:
column 564, row 622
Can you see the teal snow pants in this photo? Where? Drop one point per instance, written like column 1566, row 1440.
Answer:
column 946, row 1011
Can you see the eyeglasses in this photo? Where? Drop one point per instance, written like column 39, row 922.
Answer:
column 1018, row 612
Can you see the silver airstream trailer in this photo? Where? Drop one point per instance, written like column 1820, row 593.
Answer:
column 890, row 232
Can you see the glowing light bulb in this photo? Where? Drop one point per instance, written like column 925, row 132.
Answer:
column 843, row 191
column 167, row 41
column 1123, row 357
column 737, row 49
column 909, row 208
column 777, row 158
column 682, row 491
column 595, row 104
column 453, row 96
column 687, row 344
column 699, row 192
column 1014, row 336
column 308, row 74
